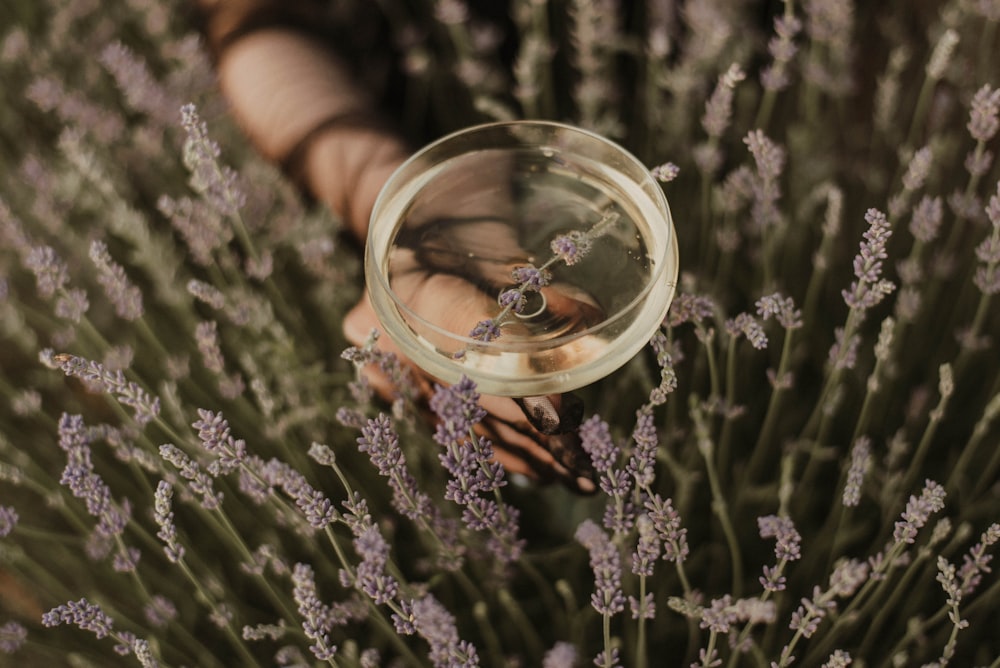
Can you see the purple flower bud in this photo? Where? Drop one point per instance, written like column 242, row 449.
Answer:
column 83, row 614
column 12, row 637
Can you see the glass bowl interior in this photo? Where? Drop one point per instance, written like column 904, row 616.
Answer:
column 460, row 227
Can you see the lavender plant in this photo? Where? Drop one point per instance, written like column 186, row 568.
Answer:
column 801, row 470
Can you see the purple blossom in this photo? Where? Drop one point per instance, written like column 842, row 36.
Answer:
column 357, row 517
column 381, row 443
column 160, row 611
column 125, row 297
column 977, row 561
column 666, row 172
column 562, row 655
column 608, row 657
column 126, row 560
column 51, row 272
column 468, row 458
column 690, row 308
column 747, row 325
column 918, row 511
column 79, row 477
column 83, row 614
column 839, row 659
column 782, row 48
column 317, row 509
column 772, row 580
column 719, row 616
column 217, row 184
column 206, row 293
column 198, row 480
column 719, row 107
column 317, row 621
column 861, row 459
column 647, row 549
column 666, row 354
column 918, row 169
column 75, row 110
column 403, row 621
column 206, row 337
column 72, row 305
column 163, row 514
column 781, row 308
column 198, row 224
column 12, row 637
column 707, row 157
column 371, row 577
column 8, row 520
column 667, row 523
column 485, row 331
column 513, row 298
column 926, row 220
column 530, row 278
column 844, row 355
column 146, row 406
column 142, row 92
column 436, row 625
column 213, row 431
column 810, row 613
column 770, row 160
column 870, row 288
column 605, row 561
column 572, row 247
column 641, row 465
column 644, row 608
column 596, row 441
column 978, row 162
column 987, row 276
column 787, row 538
column 984, row 109
column 451, row 12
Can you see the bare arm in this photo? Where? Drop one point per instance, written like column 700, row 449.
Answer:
column 302, row 108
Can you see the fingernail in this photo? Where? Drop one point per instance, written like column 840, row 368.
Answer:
column 585, row 485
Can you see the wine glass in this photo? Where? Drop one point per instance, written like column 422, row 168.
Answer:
column 533, row 257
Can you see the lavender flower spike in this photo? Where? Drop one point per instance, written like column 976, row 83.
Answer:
column 126, row 298
column 8, row 520
column 984, row 109
column 605, row 561
column 437, row 626
column 82, row 613
column 12, row 637
column 371, row 577
column 918, row 511
column 213, row 430
column 870, row 288
column 860, row 463
column 163, row 514
column 316, row 618
column 145, row 405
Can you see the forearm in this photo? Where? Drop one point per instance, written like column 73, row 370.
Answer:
column 302, row 108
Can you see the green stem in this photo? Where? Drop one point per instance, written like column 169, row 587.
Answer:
column 728, row 410
column 718, row 497
column 641, row 650
column 237, row 642
column 532, row 640
column 762, row 448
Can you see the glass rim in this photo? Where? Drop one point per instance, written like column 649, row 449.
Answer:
column 378, row 244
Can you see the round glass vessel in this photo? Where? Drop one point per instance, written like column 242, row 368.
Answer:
column 532, row 257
